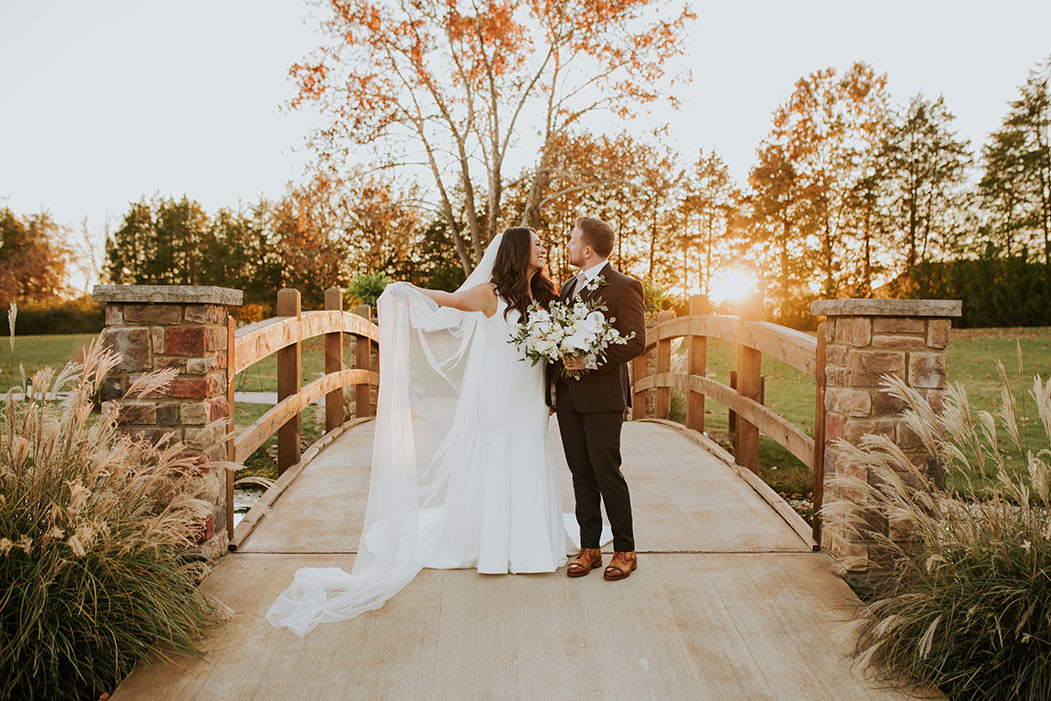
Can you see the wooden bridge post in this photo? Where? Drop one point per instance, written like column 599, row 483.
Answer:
column 662, row 408
column 184, row 327
column 289, row 377
column 749, row 384
column 820, row 361
column 643, row 403
column 334, row 361
column 864, row 340
column 698, row 368
column 638, row 399
column 363, row 361
column 231, row 423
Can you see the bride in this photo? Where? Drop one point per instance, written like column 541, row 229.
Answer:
column 462, row 471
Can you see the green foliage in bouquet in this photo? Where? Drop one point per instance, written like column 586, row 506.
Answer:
column 578, row 328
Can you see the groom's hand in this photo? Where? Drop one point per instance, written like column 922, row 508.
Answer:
column 574, row 362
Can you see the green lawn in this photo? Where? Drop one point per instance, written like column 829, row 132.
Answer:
column 788, row 391
column 972, row 357
column 36, row 352
column 262, row 377
column 972, row 363
column 263, row 462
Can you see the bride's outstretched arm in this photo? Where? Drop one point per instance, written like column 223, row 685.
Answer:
column 480, row 298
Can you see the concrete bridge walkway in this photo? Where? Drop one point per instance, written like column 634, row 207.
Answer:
column 729, row 602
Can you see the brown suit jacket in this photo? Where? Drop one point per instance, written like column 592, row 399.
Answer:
column 607, row 388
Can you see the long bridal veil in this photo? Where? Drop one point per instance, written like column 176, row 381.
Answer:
column 431, row 359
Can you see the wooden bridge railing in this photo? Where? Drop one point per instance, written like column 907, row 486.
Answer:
column 753, row 340
column 860, row 343
column 283, row 334
column 188, row 329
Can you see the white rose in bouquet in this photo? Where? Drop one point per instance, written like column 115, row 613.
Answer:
column 563, row 330
column 594, row 321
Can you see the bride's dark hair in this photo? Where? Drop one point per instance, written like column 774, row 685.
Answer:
column 511, row 272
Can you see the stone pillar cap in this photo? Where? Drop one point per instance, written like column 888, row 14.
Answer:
column 887, row 307
column 168, row 294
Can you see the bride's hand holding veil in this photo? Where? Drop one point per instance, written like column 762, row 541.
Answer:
column 479, row 298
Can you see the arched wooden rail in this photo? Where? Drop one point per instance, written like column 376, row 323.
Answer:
column 753, row 339
column 283, row 334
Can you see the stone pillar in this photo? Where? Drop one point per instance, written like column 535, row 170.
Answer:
column 866, row 339
column 184, row 327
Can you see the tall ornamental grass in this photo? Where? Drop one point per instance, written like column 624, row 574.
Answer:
column 967, row 605
column 92, row 526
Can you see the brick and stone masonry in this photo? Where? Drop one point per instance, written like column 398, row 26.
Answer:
column 180, row 326
column 866, row 339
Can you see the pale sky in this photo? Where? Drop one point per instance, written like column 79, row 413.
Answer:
column 106, row 101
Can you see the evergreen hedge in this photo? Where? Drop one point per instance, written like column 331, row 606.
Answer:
column 995, row 291
column 82, row 315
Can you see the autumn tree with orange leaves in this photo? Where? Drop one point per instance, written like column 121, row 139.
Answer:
column 448, row 91
column 708, row 207
column 824, row 138
column 583, row 173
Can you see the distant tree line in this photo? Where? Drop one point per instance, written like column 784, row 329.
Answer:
column 995, row 290
column 33, row 258
column 848, row 193
column 35, row 255
column 310, row 239
column 849, row 196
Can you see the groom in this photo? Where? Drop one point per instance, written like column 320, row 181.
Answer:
column 591, row 409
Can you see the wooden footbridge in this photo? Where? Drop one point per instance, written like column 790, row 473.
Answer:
column 733, row 597
column 729, row 602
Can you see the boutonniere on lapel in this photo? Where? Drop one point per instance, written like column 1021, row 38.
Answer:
column 563, row 330
column 592, row 287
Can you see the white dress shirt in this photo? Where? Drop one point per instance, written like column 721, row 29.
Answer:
column 586, row 276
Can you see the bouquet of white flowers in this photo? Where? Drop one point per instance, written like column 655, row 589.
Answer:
column 563, row 330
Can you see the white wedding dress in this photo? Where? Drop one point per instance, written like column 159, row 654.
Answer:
column 462, row 470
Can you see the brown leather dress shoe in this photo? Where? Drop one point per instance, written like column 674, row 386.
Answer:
column 587, row 560
column 621, row 566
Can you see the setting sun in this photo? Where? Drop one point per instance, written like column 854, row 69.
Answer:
column 731, row 284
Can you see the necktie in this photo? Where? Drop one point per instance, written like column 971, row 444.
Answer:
column 578, row 285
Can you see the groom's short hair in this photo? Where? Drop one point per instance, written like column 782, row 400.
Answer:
column 597, row 234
